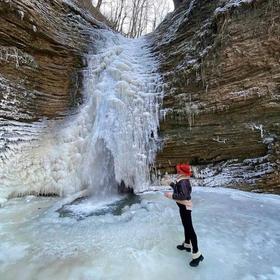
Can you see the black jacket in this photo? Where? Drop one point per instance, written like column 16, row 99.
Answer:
column 181, row 190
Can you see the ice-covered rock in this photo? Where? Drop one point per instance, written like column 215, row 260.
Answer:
column 220, row 65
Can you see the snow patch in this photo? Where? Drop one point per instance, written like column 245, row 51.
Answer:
column 11, row 254
column 231, row 4
column 15, row 55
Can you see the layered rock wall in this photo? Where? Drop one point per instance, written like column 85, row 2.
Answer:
column 43, row 50
column 42, row 45
column 220, row 62
column 220, row 65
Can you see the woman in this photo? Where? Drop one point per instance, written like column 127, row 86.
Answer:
column 182, row 195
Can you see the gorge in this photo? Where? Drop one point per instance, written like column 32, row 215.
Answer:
column 218, row 71
column 87, row 115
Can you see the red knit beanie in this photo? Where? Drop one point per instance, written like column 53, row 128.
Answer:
column 184, row 168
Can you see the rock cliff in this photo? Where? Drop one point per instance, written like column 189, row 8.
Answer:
column 43, row 45
column 220, row 64
column 41, row 56
column 219, row 61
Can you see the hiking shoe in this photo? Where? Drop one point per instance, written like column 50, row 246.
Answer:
column 197, row 258
column 184, row 246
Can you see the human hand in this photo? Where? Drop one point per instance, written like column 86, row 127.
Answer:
column 166, row 180
column 168, row 194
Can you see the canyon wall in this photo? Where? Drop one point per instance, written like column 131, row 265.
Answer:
column 42, row 47
column 220, row 62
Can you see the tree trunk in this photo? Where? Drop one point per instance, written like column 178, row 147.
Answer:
column 99, row 3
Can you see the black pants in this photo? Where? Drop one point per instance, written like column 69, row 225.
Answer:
column 190, row 235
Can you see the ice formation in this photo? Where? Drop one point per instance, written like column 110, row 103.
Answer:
column 176, row 22
column 113, row 138
column 231, row 4
column 238, row 233
column 13, row 54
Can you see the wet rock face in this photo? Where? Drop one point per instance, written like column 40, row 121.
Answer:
column 42, row 45
column 220, row 63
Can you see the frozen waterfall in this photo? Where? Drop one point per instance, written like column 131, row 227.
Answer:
column 112, row 139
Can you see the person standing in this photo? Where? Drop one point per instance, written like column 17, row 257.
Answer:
column 182, row 195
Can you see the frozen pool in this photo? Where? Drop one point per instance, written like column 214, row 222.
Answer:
column 239, row 235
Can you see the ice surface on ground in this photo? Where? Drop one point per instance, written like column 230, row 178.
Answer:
column 238, row 233
column 112, row 139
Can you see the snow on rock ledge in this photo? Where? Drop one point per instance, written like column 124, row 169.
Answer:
column 231, row 4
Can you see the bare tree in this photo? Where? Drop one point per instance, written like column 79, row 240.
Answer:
column 134, row 18
column 99, row 3
column 159, row 9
